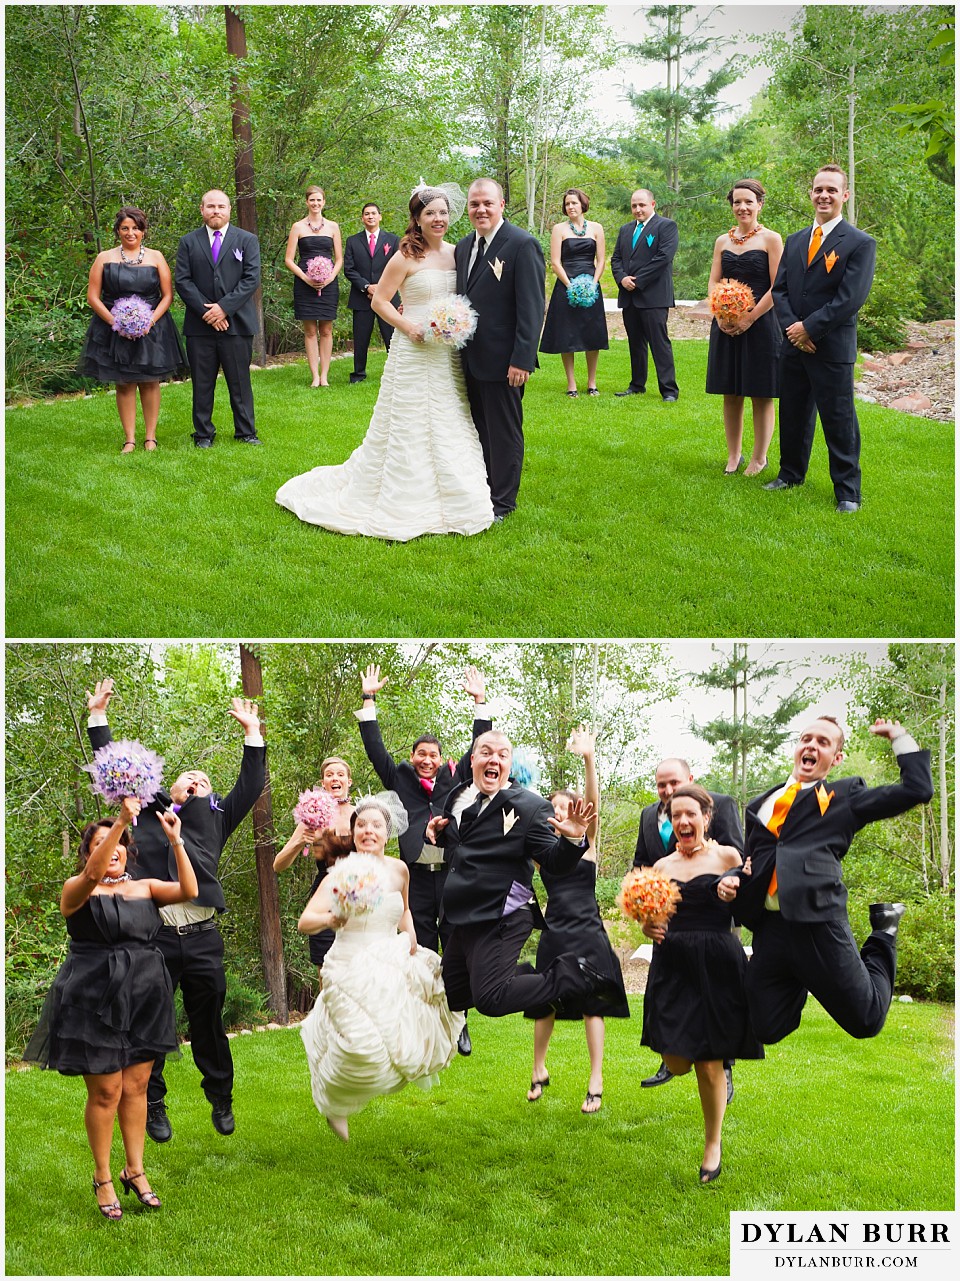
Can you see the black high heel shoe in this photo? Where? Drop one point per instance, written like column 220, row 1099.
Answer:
column 149, row 1199
column 708, row 1176
column 112, row 1210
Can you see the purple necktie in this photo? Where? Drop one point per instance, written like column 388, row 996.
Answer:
column 215, row 249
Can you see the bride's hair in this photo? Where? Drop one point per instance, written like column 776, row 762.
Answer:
column 413, row 244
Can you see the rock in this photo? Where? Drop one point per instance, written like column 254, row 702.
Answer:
column 914, row 404
column 898, row 357
column 905, row 1000
column 870, row 400
column 872, row 364
column 231, row 1035
column 917, row 345
column 246, row 1031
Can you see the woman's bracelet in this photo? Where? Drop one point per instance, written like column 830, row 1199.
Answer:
column 368, row 698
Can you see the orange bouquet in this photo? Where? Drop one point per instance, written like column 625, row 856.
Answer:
column 646, row 895
column 729, row 299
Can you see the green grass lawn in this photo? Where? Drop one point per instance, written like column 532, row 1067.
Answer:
column 625, row 527
column 471, row 1179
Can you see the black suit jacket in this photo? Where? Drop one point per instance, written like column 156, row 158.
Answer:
column 362, row 270
column 827, row 295
column 816, row 834
column 501, row 847
column 651, row 263
column 232, row 282
column 510, row 305
column 399, row 776
column 725, row 829
column 206, row 822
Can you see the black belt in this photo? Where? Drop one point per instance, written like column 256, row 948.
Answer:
column 192, row 929
column 431, row 867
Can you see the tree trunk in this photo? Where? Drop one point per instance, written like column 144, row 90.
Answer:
column 944, row 795
column 243, row 160
column 851, row 161
column 271, row 937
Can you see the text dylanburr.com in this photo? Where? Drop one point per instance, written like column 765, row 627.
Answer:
column 916, row 1244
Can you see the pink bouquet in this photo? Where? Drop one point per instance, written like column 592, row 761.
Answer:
column 132, row 316
column 451, row 321
column 356, row 886
column 320, row 271
column 316, row 809
column 125, row 768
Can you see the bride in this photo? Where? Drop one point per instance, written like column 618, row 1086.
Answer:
column 382, row 1018
column 419, row 469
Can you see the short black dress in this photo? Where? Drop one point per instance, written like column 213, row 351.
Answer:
column 749, row 364
column 306, row 304
column 575, row 925
column 321, row 942
column 695, row 1005
column 111, row 1004
column 574, row 328
column 155, row 357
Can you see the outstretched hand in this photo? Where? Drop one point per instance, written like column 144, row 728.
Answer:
column 102, row 693
column 129, row 809
column 887, row 729
column 370, row 681
column 582, row 741
column 245, row 711
column 435, row 825
column 578, row 819
column 170, row 823
column 474, row 684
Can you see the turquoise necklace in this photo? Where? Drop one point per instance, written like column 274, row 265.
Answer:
column 574, row 230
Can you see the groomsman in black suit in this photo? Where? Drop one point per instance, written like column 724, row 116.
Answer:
column 217, row 275
column 423, row 784
column 500, row 268
column 642, row 266
column 189, row 937
column 493, row 830
column 364, row 257
column 823, row 280
column 791, row 895
column 656, row 839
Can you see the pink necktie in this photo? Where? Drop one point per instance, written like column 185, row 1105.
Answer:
column 215, row 248
column 373, row 243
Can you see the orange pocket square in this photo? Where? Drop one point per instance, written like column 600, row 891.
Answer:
column 830, row 261
column 824, row 799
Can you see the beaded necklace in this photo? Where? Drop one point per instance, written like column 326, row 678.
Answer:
column 742, row 240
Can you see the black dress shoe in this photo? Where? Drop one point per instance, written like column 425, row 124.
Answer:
column 886, row 917
column 847, row 505
column 464, row 1044
column 158, row 1123
column 203, row 443
column 660, row 1077
column 358, row 378
column 668, row 399
column 221, row 1114
column 632, row 391
column 780, row 484
column 602, row 988
column 728, row 1073
column 249, row 440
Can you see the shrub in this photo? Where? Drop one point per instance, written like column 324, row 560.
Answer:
column 894, row 299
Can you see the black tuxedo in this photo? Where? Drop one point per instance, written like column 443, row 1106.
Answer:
column 645, row 308
column 426, row 880
column 725, row 829
column 232, row 282
column 480, row 962
column 508, row 292
column 826, row 296
column 194, row 959
column 362, row 270
column 808, row 944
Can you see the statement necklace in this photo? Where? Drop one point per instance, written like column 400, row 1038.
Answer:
column 574, row 230
column 132, row 262
column 315, row 230
column 115, row 880
column 690, row 853
column 742, row 240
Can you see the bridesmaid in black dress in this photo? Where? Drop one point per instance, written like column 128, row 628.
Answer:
column 577, row 248
column 311, row 237
column 744, row 356
column 575, row 925
column 110, row 1012
column 132, row 363
column 695, row 1006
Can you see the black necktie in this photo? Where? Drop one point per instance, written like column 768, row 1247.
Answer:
column 481, row 250
column 469, row 816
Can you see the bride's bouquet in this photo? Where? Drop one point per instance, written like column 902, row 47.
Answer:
column 355, row 885
column 132, row 316
column 125, row 768
column 451, row 321
column 316, row 809
column 730, row 299
column 319, row 271
column 582, row 291
column 646, row 895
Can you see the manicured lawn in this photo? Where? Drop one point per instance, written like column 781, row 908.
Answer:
column 471, row 1179
column 626, row 526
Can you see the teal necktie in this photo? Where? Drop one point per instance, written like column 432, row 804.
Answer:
column 666, row 831
column 636, row 233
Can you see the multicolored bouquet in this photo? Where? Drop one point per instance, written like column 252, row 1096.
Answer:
column 125, row 768
column 320, row 271
column 646, row 895
column 356, row 885
column 451, row 321
column 132, row 316
column 316, row 809
column 729, row 299
column 582, row 291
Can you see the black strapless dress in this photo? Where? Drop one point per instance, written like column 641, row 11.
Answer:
column 111, row 1003
column 155, row 357
column 306, row 304
column 321, row 942
column 574, row 328
column 748, row 365
column 695, row 1005
column 575, row 925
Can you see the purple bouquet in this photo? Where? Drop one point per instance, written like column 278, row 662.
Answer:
column 125, row 768
column 320, row 271
column 131, row 316
column 316, row 809
column 355, row 885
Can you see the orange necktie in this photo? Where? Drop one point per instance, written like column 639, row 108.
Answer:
column 777, row 819
column 815, row 243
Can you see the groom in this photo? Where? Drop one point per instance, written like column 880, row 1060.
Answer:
column 501, row 270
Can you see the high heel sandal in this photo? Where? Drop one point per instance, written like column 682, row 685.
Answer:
column 708, row 1176
column 149, row 1199
column 108, row 1210
column 538, row 1085
column 150, row 444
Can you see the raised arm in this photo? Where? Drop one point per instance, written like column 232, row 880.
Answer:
column 185, row 887
column 583, row 742
column 301, row 838
column 253, row 767
column 78, row 888
column 371, row 683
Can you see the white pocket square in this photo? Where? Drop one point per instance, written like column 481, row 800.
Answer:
column 509, row 818
column 238, row 254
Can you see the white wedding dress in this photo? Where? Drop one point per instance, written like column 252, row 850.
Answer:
column 419, row 469
column 382, row 1018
